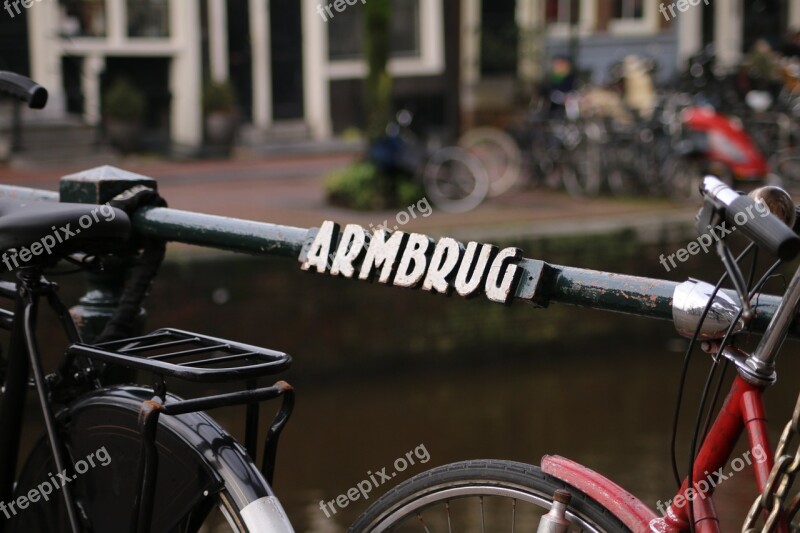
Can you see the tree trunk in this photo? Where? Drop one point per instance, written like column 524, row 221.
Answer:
column 379, row 83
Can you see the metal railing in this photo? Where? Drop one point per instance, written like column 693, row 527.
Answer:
column 540, row 283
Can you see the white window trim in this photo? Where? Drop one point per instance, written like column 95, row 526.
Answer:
column 586, row 22
column 139, row 47
column 117, row 38
column 431, row 46
column 646, row 25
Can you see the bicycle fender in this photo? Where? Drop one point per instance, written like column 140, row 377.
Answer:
column 196, row 458
column 626, row 507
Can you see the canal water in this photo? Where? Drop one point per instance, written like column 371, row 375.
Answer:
column 380, row 372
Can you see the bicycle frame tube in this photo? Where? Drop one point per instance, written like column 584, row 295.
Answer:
column 13, row 396
column 743, row 409
column 23, row 351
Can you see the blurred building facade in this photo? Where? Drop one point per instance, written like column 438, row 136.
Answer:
column 297, row 65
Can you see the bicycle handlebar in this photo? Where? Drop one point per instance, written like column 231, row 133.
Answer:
column 766, row 230
column 24, row 89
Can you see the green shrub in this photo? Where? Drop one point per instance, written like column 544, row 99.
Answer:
column 123, row 101
column 408, row 192
column 359, row 186
column 218, row 97
column 362, row 186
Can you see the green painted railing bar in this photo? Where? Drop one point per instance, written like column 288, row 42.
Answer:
column 635, row 295
column 26, row 193
column 541, row 284
column 225, row 233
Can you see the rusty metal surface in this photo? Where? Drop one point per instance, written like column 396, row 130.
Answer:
column 506, row 276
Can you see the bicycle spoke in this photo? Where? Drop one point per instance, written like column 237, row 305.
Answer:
column 483, row 520
column 513, row 514
column 422, row 523
column 449, row 519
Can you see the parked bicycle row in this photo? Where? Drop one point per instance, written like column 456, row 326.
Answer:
column 627, row 138
column 664, row 154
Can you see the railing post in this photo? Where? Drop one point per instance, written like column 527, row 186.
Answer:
column 98, row 186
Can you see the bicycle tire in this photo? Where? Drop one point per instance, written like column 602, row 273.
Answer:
column 458, row 484
column 206, row 482
column 786, row 164
column 682, row 179
column 499, row 154
column 587, row 168
column 455, row 180
column 623, row 181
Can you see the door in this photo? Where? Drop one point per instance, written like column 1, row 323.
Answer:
column 765, row 19
column 286, row 42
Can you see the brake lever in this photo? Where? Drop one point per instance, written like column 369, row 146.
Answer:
column 737, row 278
column 708, row 217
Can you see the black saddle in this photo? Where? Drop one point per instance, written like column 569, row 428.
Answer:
column 41, row 229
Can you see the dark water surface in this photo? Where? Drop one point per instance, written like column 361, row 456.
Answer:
column 380, row 372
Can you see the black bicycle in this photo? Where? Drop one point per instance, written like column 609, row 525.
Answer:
column 113, row 454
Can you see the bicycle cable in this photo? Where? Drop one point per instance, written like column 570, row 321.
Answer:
column 754, row 292
column 685, row 370
column 727, row 339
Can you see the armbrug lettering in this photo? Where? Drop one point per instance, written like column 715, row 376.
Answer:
column 414, row 261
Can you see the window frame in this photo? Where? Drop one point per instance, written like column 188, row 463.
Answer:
column 645, row 25
column 586, row 21
column 430, row 60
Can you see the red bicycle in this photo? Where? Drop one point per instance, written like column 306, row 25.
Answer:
column 561, row 495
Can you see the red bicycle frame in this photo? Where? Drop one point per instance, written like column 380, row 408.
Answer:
column 743, row 409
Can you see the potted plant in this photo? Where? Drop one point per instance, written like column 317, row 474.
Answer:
column 219, row 109
column 124, row 107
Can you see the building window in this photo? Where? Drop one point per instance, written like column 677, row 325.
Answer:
column 82, row 18
column 562, row 11
column 346, row 31
column 628, row 9
column 148, row 18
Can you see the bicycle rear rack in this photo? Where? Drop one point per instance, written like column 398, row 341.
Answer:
column 197, row 358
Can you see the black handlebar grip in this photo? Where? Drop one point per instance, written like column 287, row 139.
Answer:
column 767, row 231
column 24, row 89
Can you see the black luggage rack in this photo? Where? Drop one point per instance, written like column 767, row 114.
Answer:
column 188, row 356
column 197, row 358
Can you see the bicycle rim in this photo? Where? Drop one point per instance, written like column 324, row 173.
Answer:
column 498, row 153
column 455, row 181
column 487, row 496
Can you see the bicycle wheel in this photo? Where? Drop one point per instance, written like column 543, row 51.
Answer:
column 482, row 495
column 786, row 164
column 498, row 153
column 682, row 180
column 455, row 180
column 206, row 483
column 623, row 180
column 580, row 181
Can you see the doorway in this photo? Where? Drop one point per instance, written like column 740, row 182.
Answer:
column 286, row 45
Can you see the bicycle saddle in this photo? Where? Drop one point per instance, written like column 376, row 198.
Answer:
column 43, row 228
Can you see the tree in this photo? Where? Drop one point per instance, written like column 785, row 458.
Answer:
column 378, row 87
